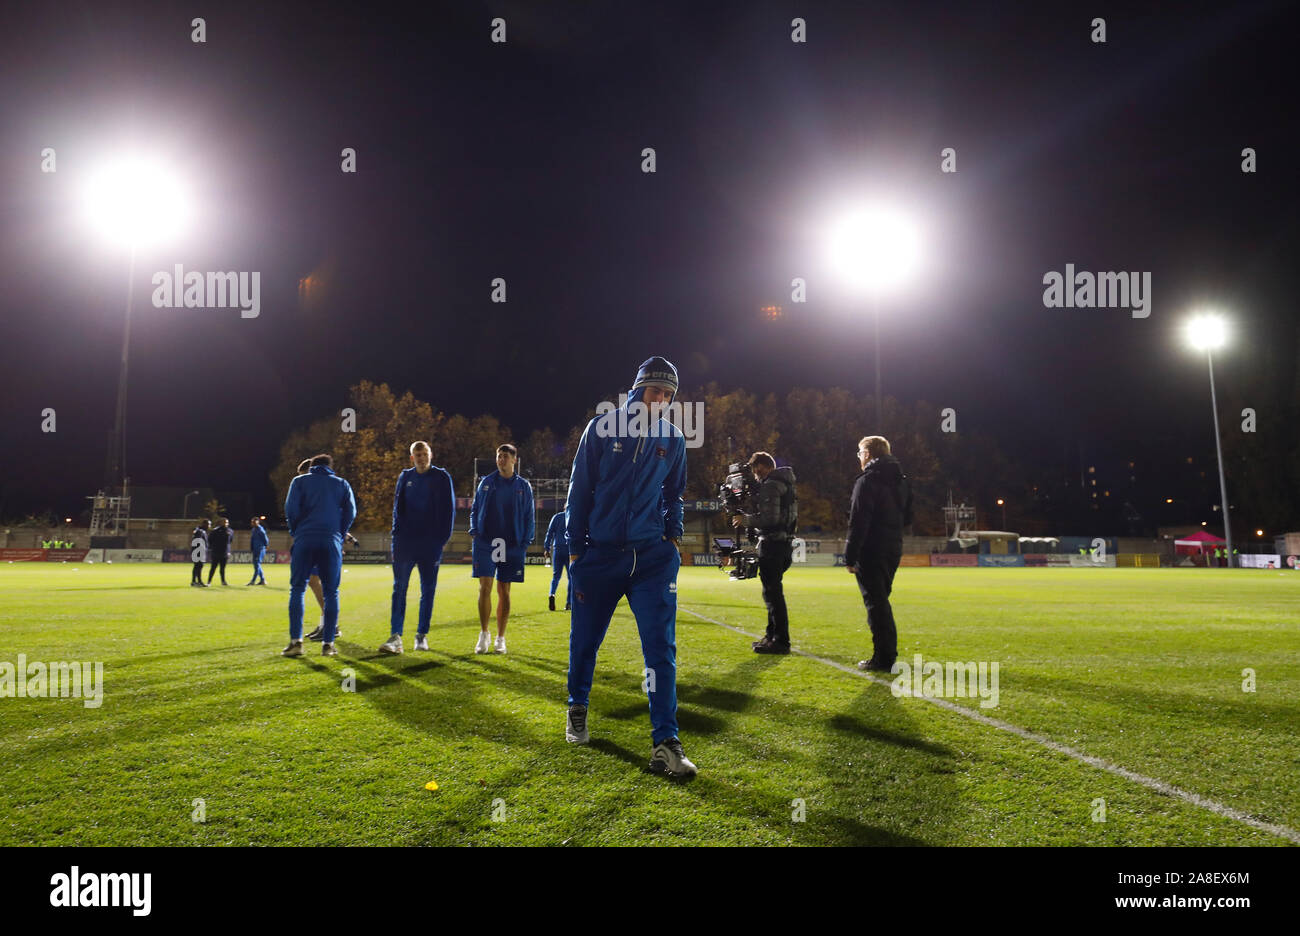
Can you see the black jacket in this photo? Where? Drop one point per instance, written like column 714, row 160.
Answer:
column 219, row 541
column 880, row 508
column 773, row 520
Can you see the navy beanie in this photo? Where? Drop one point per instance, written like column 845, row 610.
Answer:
column 658, row 372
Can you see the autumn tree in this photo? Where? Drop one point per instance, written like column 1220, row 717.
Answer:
column 370, row 447
column 461, row 441
column 213, row 510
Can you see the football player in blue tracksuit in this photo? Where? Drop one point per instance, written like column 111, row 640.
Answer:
column 624, row 525
column 502, row 524
column 313, row 581
column 257, row 543
column 320, row 509
column 424, row 509
column 557, row 550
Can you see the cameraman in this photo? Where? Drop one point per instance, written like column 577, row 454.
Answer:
column 774, row 523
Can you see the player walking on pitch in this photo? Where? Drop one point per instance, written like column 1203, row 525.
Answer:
column 424, row 510
column 313, row 579
column 502, row 524
column 320, row 509
column 257, row 543
column 556, row 546
column 624, row 519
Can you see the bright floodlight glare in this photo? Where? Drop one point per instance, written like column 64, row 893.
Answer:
column 1207, row 332
column 135, row 200
column 874, row 248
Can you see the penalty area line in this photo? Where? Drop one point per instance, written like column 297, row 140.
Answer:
column 1160, row 786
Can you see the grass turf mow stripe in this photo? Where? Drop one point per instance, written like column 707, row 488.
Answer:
column 206, row 736
column 1158, row 785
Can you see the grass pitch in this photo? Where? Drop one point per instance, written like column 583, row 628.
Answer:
column 1142, row 668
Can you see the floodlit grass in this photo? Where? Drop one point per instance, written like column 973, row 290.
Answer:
column 1143, row 668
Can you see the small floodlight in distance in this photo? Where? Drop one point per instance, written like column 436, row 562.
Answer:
column 1207, row 332
column 136, row 200
column 874, row 248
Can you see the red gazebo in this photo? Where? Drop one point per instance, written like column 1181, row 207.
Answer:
column 1199, row 544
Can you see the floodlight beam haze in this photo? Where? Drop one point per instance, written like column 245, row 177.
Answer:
column 874, row 250
column 135, row 201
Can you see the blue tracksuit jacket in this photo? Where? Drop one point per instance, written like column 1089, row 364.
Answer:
column 525, row 510
column 424, row 510
column 625, row 498
column 555, row 540
column 320, row 505
column 638, row 500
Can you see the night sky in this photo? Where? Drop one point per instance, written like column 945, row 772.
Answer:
column 522, row 160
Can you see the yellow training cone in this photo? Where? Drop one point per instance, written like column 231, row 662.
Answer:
column 431, row 785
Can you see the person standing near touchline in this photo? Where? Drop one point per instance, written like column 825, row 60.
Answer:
column 775, row 523
column 879, row 510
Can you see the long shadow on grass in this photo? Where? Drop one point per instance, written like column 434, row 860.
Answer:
column 456, row 688
column 885, row 785
column 885, row 775
column 693, row 697
column 769, row 809
column 854, row 738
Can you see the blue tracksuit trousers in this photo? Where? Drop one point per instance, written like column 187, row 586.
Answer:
column 257, row 566
column 326, row 554
column 404, row 560
column 560, row 563
column 647, row 576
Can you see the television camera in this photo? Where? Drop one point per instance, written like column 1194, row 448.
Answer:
column 739, row 495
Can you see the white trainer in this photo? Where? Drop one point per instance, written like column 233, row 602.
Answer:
column 575, row 725
column 484, row 643
column 500, row 645
column 294, row 649
column 421, row 642
column 392, row 645
column 669, row 759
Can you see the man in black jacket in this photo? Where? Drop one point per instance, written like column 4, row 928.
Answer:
column 219, row 541
column 775, row 522
column 880, row 508
column 198, row 553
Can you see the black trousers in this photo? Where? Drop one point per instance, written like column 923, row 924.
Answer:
column 773, row 560
column 197, row 575
column 876, row 580
column 218, row 561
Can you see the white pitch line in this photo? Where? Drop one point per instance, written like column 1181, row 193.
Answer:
column 1150, row 782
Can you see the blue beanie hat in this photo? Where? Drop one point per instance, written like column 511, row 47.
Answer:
column 657, row 372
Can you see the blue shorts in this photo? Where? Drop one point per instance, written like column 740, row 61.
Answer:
column 512, row 570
